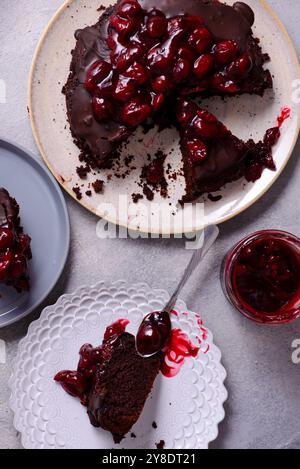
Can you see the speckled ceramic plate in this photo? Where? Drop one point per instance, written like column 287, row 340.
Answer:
column 187, row 408
column 247, row 116
column 44, row 217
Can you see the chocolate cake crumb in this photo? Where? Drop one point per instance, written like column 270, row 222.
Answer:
column 82, row 171
column 154, row 425
column 88, row 193
column 148, row 192
column 133, row 435
column 214, row 198
column 77, row 192
column 98, row 186
column 136, row 197
column 160, row 445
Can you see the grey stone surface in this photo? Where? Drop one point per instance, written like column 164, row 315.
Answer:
column 263, row 408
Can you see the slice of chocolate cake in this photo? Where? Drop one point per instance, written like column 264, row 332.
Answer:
column 133, row 65
column 113, row 380
column 121, row 386
column 213, row 155
column 15, row 249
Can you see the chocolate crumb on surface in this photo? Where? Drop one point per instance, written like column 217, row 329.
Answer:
column 98, row 186
column 83, row 171
column 148, row 192
column 77, row 192
column 154, row 425
column 133, row 435
column 214, row 198
column 136, row 197
column 160, row 445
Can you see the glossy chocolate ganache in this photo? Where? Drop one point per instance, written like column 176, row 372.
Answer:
column 134, row 64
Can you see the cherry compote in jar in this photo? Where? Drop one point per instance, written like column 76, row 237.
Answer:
column 261, row 277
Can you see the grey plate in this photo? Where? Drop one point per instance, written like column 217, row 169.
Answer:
column 44, row 217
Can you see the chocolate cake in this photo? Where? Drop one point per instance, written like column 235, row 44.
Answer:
column 140, row 59
column 121, row 386
column 15, row 251
column 113, row 380
column 213, row 155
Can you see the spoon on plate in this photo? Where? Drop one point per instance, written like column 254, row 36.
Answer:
column 155, row 329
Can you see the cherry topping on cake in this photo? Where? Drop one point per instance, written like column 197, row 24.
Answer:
column 137, row 73
column 135, row 112
column 6, row 239
column 96, row 73
column 197, row 151
column 156, row 61
column 15, row 249
column 201, row 39
column 225, row 52
column 203, row 65
column 157, row 26
column 129, row 8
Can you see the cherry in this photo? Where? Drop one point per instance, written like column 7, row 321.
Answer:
column 185, row 111
column 130, row 55
column 124, row 26
column 18, row 266
column 205, row 125
column 159, row 59
column 96, row 355
column 73, row 382
column 157, row 101
column 181, row 70
column 240, row 67
column 102, row 108
column 153, row 333
column 197, row 151
column 129, row 8
column 85, row 351
column 203, row 65
column 96, row 73
column 6, row 238
column 135, row 112
column 186, row 53
column 220, row 83
column 157, row 26
column 124, row 90
column 5, row 261
column 116, row 328
column 161, row 84
column 253, row 172
column 137, row 73
column 272, row 136
column 225, row 52
column 200, row 39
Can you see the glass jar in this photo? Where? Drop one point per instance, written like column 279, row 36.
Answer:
column 261, row 277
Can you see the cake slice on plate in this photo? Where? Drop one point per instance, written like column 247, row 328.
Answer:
column 15, row 251
column 113, row 381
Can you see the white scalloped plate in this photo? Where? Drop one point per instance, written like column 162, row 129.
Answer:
column 187, row 408
column 246, row 116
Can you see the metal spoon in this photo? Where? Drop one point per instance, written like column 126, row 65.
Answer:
column 156, row 327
